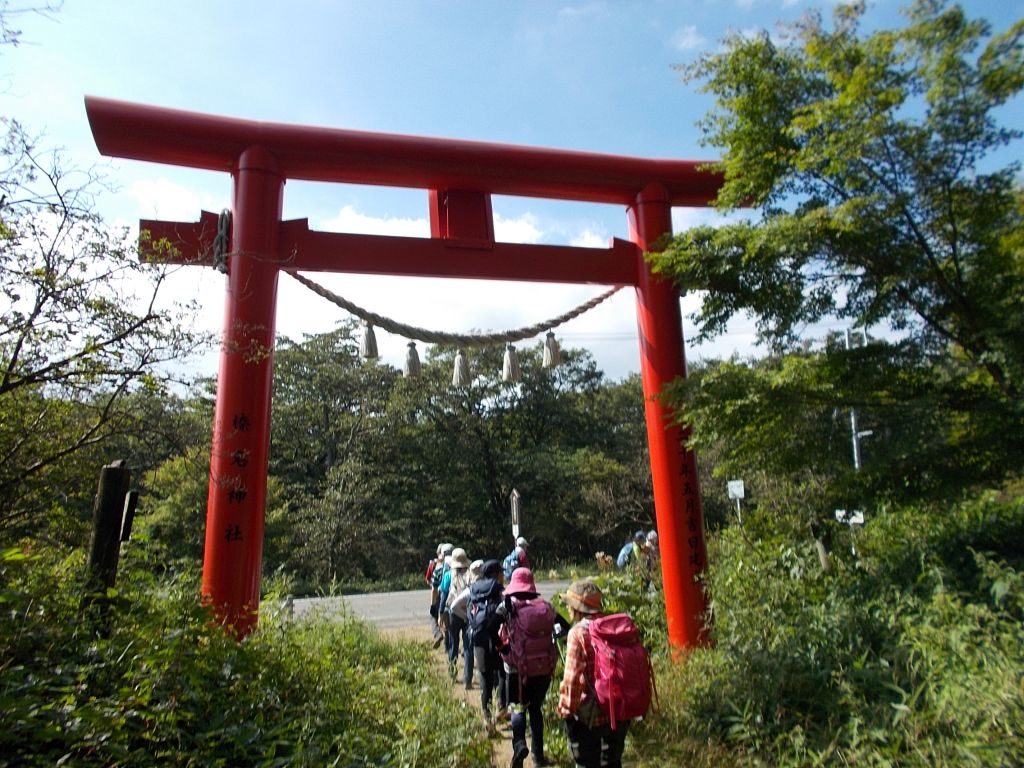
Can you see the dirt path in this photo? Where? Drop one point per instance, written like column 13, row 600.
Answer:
column 501, row 744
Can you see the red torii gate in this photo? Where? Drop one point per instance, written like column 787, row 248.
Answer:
column 460, row 177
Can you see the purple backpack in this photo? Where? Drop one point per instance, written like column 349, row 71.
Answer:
column 531, row 645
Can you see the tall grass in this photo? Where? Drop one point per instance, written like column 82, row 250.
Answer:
column 910, row 653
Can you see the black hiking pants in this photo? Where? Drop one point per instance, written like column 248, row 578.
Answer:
column 599, row 747
column 535, row 690
column 459, row 629
column 488, row 669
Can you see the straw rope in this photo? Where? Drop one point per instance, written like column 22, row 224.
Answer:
column 439, row 337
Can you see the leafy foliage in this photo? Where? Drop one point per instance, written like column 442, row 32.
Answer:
column 867, row 156
column 910, row 654
column 163, row 686
column 873, row 160
column 80, row 329
column 877, row 166
column 784, row 424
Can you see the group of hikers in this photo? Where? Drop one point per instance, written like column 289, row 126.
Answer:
column 489, row 613
column 641, row 550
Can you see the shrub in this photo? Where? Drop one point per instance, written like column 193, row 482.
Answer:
column 910, row 654
column 145, row 678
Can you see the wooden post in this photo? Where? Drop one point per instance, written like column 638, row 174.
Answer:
column 107, row 511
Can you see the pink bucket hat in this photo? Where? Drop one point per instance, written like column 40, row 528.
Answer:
column 521, row 583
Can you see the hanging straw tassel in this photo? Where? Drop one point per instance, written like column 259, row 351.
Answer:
column 552, row 354
column 460, row 377
column 368, row 346
column 412, row 361
column 510, row 367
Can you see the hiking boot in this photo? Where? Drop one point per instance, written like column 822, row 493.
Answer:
column 438, row 640
column 519, row 753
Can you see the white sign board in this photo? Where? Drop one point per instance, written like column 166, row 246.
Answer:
column 514, row 499
column 855, row 517
column 735, row 489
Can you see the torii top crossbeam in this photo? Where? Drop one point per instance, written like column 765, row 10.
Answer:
column 460, row 177
column 356, row 157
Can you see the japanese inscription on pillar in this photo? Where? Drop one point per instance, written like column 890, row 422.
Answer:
column 691, row 500
column 234, row 485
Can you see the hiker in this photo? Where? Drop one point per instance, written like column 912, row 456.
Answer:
column 517, row 558
column 452, row 583
column 459, row 610
column 632, row 551
column 650, row 557
column 435, row 594
column 652, row 546
column 529, row 655
column 592, row 740
column 431, row 567
column 484, row 599
column 433, row 564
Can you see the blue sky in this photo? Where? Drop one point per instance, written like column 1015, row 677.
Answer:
column 594, row 75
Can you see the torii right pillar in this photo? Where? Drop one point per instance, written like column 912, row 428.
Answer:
column 673, row 470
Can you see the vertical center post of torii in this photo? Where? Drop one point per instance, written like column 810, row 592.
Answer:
column 460, row 177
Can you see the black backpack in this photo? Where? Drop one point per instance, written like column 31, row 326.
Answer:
column 484, row 619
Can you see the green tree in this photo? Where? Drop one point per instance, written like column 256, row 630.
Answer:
column 874, row 163
column 80, row 329
column 325, row 398
column 170, row 523
column 413, row 461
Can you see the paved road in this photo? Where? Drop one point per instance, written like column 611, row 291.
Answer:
column 393, row 610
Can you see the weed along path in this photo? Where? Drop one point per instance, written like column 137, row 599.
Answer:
column 404, row 615
column 501, row 744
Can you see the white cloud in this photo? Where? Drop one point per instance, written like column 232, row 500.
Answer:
column 351, row 220
column 687, row 38
column 582, row 9
column 588, row 238
column 161, row 198
column 686, row 218
column 521, row 229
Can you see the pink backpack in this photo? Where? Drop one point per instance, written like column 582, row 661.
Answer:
column 531, row 645
column 623, row 675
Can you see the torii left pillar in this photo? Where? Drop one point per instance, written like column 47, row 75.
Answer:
column 241, row 430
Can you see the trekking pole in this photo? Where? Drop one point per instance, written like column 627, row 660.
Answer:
column 558, row 645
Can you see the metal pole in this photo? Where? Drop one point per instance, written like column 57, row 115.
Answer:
column 677, row 502
column 853, row 416
column 241, row 432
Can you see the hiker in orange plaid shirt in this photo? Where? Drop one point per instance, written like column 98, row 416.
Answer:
column 592, row 741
